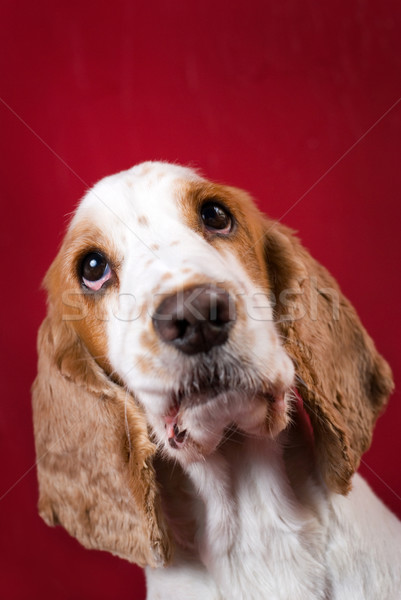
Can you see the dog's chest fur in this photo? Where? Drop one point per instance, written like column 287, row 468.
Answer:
column 266, row 528
column 253, row 537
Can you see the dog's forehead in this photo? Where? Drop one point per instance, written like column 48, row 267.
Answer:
column 149, row 192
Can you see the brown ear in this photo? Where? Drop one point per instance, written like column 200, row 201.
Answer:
column 342, row 379
column 94, row 456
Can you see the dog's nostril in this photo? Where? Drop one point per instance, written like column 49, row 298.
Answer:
column 182, row 326
column 195, row 319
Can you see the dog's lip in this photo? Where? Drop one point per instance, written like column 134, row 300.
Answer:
column 177, row 437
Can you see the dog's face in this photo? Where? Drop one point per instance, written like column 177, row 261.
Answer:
column 175, row 302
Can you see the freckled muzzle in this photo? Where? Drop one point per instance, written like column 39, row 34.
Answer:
column 196, row 319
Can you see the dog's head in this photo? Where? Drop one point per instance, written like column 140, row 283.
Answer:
column 177, row 311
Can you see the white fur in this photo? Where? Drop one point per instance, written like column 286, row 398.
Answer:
column 260, row 542
column 257, row 537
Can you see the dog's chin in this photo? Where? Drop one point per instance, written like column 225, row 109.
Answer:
column 198, row 423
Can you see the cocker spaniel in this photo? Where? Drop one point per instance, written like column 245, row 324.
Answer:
column 204, row 396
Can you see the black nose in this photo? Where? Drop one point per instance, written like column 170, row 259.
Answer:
column 195, row 320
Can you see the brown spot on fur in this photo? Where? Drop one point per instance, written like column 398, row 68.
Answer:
column 148, row 341
column 143, row 220
column 166, row 276
column 146, row 169
column 144, row 365
column 155, row 247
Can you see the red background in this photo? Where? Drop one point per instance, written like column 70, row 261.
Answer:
column 273, row 96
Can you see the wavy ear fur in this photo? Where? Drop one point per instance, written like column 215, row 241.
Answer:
column 342, row 379
column 94, row 456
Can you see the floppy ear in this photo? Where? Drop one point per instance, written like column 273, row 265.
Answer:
column 94, row 456
column 342, row 379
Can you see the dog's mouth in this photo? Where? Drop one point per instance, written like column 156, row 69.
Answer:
column 176, row 437
column 204, row 396
column 197, row 394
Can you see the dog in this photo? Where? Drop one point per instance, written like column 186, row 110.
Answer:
column 204, row 395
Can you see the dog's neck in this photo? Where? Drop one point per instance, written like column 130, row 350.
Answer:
column 255, row 511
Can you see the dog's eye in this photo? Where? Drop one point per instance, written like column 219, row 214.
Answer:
column 216, row 218
column 95, row 271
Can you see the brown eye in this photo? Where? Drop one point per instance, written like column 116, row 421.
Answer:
column 94, row 270
column 216, row 218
